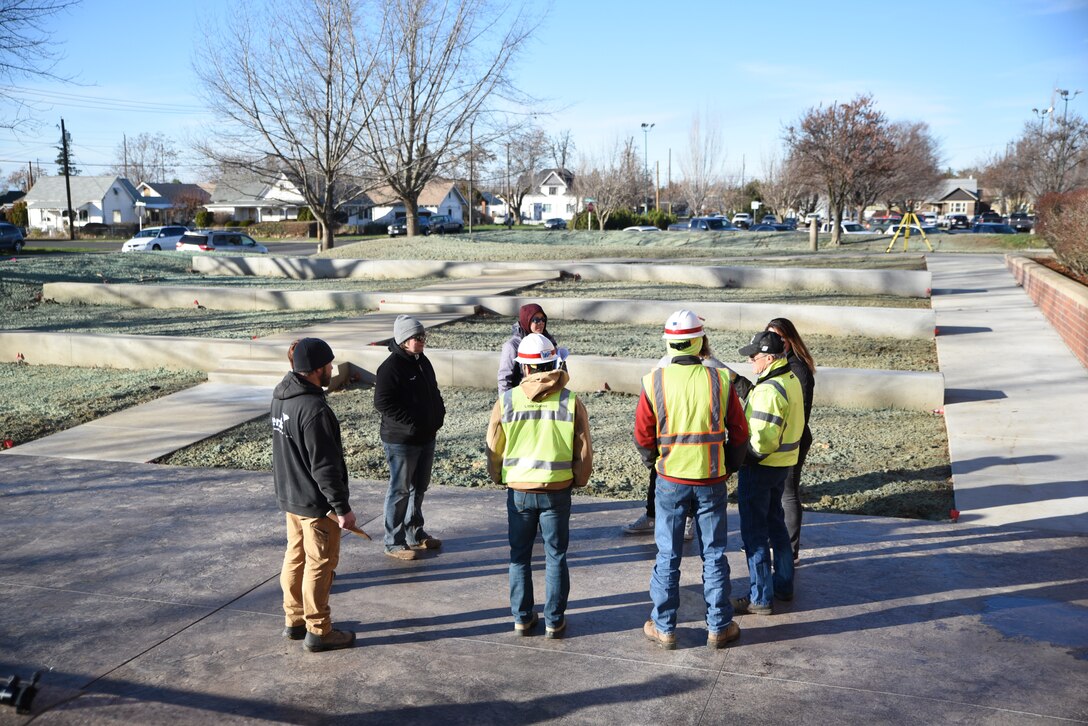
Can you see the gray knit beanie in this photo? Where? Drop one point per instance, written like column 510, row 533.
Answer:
column 405, row 327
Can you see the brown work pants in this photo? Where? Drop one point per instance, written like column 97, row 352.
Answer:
column 313, row 550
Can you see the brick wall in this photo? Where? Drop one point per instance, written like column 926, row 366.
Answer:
column 1063, row 302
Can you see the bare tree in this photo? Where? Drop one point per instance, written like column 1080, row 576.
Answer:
column 289, row 85
column 563, row 148
column 527, row 151
column 701, row 164
column 443, row 62
column 783, row 188
column 146, row 158
column 19, row 179
column 614, row 182
column 27, row 49
column 1054, row 154
column 837, row 146
column 907, row 171
column 1005, row 176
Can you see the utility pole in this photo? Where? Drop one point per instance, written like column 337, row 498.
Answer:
column 124, row 146
column 67, row 180
column 471, row 141
column 29, row 175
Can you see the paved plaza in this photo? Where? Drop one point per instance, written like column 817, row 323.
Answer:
column 152, row 592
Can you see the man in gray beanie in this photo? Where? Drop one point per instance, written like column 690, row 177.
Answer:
column 406, row 395
column 311, row 480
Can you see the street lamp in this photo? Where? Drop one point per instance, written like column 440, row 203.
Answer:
column 1064, row 93
column 646, row 159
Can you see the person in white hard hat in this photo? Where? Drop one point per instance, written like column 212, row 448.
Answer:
column 690, row 429
column 645, row 522
column 538, row 445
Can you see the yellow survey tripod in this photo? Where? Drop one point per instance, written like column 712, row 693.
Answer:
column 910, row 218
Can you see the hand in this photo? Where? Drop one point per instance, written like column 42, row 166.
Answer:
column 347, row 521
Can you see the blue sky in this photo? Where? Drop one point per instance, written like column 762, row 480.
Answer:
column 973, row 70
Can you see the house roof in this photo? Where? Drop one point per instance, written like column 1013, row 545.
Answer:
column 179, row 192
column 49, row 191
column 564, row 175
column 968, row 189
column 11, row 196
column 239, row 190
column 432, row 195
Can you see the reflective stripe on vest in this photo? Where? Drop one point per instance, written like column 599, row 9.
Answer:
column 689, row 402
column 776, row 417
column 539, row 437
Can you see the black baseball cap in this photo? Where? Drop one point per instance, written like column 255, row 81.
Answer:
column 766, row 341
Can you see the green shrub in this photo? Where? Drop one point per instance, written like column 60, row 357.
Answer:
column 1063, row 222
column 283, row 230
column 18, row 215
column 204, row 218
column 230, row 223
column 660, row 218
column 305, row 215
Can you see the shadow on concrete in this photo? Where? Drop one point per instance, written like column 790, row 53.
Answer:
column 956, row 290
column 946, row 330
column 971, row 395
column 985, row 462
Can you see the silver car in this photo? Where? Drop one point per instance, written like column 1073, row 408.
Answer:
column 153, row 239
column 217, row 240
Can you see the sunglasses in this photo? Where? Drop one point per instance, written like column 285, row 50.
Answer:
column 422, row 338
column 538, row 320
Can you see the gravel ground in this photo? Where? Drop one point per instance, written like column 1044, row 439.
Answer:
column 39, row 400
column 888, row 463
column 489, row 332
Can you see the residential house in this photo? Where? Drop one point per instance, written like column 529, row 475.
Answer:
column 955, row 196
column 102, row 199
column 551, row 196
column 243, row 196
column 162, row 203
column 492, row 205
column 439, row 196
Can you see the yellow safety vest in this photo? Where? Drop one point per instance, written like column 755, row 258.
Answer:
column 776, row 416
column 539, row 437
column 690, row 403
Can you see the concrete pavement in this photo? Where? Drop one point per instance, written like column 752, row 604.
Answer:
column 1016, row 401
column 153, row 594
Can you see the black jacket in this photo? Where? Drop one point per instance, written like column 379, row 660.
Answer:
column 406, row 395
column 308, row 464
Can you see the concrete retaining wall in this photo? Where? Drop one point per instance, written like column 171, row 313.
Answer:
column 906, row 283
column 849, row 387
column 901, row 323
column 1062, row 301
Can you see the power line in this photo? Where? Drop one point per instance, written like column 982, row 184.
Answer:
column 102, row 103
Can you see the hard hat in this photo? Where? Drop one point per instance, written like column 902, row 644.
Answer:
column 683, row 325
column 535, row 349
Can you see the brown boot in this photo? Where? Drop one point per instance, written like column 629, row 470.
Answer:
column 668, row 642
column 726, row 635
column 332, row 640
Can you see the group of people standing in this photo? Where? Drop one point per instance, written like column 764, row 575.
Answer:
column 691, row 430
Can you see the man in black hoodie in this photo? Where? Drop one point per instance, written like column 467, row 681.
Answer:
column 406, row 395
column 311, row 479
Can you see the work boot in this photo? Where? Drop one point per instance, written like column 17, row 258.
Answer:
column 332, row 640
column 642, row 525
column 402, row 554
column 744, row 606
column 426, row 542
column 294, row 632
column 526, row 628
column 668, row 642
column 554, row 632
column 726, row 635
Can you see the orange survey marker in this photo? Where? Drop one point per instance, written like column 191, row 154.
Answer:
column 354, row 530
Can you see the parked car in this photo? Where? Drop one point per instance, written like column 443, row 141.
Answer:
column 769, row 219
column 155, row 239
column 94, row 228
column 847, row 228
column 218, row 240
column 928, row 219
column 742, row 220
column 704, row 224
column 1021, row 221
column 957, row 221
column 399, row 228
column 882, row 225
column 641, row 228
column 776, row 227
column 790, row 222
column 991, row 217
column 555, row 223
column 444, row 224
column 11, row 238
column 992, row 228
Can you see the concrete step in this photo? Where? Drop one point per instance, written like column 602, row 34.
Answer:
column 243, row 378
column 415, row 308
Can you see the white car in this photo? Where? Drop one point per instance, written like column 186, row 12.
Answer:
column 742, row 219
column 218, row 240
column 153, row 239
column 847, row 228
column 641, row 228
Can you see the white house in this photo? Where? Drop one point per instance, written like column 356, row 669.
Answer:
column 162, row 203
column 243, row 196
column 551, row 196
column 104, row 199
column 439, row 196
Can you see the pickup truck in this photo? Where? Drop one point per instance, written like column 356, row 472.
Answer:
column 704, row 224
column 1021, row 221
column 742, row 220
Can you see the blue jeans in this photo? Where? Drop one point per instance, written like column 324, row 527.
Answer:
column 762, row 528
column 673, row 503
column 409, row 477
column 525, row 512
